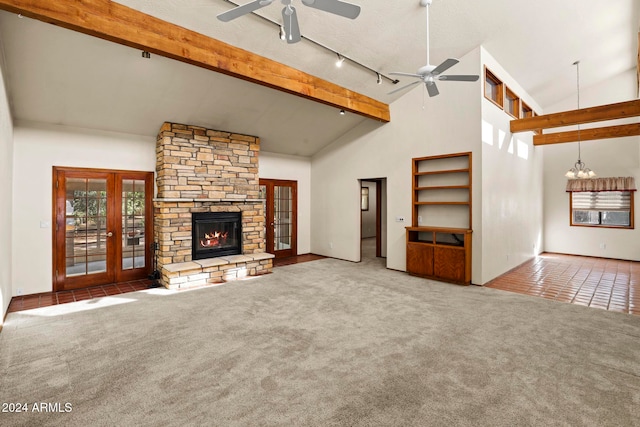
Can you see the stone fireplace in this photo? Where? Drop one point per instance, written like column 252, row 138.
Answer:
column 208, row 173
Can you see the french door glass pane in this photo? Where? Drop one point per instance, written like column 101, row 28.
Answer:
column 133, row 212
column 85, row 222
column 283, row 214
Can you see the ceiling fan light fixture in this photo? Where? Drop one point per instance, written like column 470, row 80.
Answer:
column 283, row 34
column 428, row 74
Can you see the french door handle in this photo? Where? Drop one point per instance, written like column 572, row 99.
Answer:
column 109, row 234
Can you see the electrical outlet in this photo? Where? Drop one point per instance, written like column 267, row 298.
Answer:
column 419, row 219
column 603, row 246
column 19, row 291
column 330, row 245
column 399, row 219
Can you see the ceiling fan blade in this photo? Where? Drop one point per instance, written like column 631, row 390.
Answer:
column 291, row 27
column 444, row 66
column 397, row 73
column 239, row 11
column 404, row 87
column 432, row 89
column 461, row 78
column 336, row 7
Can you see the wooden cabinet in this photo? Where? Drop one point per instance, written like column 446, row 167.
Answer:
column 439, row 239
column 439, row 253
column 419, row 259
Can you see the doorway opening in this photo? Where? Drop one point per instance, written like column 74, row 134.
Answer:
column 373, row 220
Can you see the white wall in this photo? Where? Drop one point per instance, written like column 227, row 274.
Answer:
column 6, row 184
column 39, row 147
column 609, row 157
column 447, row 123
column 369, row 216
column 293, row 168
column 507, row 173
column 511, row 186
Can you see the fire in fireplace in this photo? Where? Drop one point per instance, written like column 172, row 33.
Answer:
column 215, row 234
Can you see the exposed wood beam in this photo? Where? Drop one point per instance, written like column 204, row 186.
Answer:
column 117, row 23
column 588, row 134
column 574, row 117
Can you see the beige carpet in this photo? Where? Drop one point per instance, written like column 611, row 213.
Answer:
column 323, row 343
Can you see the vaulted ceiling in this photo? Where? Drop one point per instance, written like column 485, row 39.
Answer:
column 59, row 76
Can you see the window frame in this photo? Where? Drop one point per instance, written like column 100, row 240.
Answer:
column 631, row 225
column 489, row 76
column 510, row 95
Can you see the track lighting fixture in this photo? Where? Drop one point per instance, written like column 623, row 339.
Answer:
column 283, row 36
column 342, row 112
column 146, row 54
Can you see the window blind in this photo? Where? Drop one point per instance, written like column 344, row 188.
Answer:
column 601, row 200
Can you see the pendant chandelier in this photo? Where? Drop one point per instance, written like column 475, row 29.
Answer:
column 579, row 169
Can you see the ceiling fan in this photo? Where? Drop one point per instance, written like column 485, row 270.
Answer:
column 430, row 73
column 289, row 17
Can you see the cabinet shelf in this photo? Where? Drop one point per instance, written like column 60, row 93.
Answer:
column 442, row 172
column 439, row 247
column 442, row 203
column 442, row 187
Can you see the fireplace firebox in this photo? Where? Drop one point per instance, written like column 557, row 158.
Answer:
column 215, row 234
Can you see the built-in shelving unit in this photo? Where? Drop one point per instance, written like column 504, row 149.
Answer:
column 439, row 239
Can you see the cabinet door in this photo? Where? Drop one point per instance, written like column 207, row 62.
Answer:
column 419, row 259
column 449, row 263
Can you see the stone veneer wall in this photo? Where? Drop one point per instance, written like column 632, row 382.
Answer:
column 198, row 163
column 204, row 170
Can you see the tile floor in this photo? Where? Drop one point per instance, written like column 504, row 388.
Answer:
column 28, row 302
column 602, row 283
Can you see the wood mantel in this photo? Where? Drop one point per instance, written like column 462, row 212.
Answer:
column 114, row 22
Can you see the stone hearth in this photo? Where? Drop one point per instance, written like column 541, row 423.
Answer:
column 205, row 170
